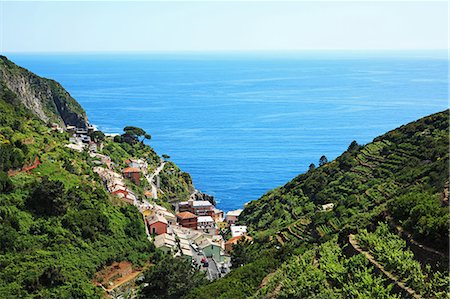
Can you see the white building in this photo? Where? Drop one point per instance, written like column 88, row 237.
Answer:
column 205, row 222
column 238, row 230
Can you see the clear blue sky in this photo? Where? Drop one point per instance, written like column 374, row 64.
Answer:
column 236, row 25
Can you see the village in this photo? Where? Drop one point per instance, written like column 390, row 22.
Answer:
column 194, row 230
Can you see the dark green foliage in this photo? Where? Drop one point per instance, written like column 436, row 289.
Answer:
column 98, row 136
column 424, row 214
column 241, row 253
column 171, row 278
column 132, row 134
column 48, row 198
column 323, row 160
column 5, row 183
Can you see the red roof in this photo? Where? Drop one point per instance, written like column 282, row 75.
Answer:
column 234, row 240
column 130, row 169
column 186, row 215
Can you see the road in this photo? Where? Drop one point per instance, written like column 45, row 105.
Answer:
column 152, row 176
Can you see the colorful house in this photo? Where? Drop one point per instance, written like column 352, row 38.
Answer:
column 187, row 219
column 205, row 223
column 157, row 224
column 133, row 174
column 232, row 216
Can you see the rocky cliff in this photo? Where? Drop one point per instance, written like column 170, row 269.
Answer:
column 46, row 98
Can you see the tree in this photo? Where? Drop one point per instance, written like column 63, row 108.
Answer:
column 171, row 278
column 323, row 160
column 98, row 136
column 166, row 157
column 353, row 146
column 241, row 254
column 132, row 134
column 48, row 198
column 5, row 183
column 311, row 167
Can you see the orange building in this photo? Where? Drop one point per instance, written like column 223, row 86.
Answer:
column 133, row 174
column 187, row 219
column 157, row 224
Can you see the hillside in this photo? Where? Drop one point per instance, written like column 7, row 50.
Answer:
column 59, row 224
column 373, row 223
column 45, row 98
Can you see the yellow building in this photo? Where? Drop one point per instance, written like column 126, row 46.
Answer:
column 222, row 225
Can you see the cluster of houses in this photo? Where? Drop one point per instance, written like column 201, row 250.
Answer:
column 80, row 138
column 115, row 184
column 193, row 232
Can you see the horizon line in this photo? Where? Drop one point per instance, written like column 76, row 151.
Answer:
column 227, row 51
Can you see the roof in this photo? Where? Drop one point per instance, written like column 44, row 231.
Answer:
column 201, row 203
column 186, row 215
column 131, row 169
column 156, row 218
column 238, row 230
column 234, row 213
column 234, row 240
column 205, row 219
column 164, row 240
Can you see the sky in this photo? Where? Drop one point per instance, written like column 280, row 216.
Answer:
column 86, row 26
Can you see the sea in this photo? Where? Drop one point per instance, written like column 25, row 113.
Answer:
column 243, row 123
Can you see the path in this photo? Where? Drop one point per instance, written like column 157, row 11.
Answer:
column 152, row 176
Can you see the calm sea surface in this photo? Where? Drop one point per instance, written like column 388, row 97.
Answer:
column 242, row 124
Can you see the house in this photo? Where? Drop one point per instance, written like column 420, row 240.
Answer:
column 233, row 241
column 238, row 230
column 133, row 174
column 202, row 208
column 205, row 223
column 232, row 216
column 139, row 164
column 187, row 219
column 165, row 242
column 184, row 206
column 211, row 249
column 157, row 224
column 197, row 207
column 328, row 207
column 222, row 225
column 170, row 218
column 218, row 215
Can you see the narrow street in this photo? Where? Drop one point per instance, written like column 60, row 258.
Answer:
column 152, row 176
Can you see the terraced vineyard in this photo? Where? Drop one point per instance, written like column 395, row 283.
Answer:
column 392, row 253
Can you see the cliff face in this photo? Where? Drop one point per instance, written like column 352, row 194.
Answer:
column 46, row 98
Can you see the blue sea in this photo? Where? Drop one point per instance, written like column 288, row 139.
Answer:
column 244, row 123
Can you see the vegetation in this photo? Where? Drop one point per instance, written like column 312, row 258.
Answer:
column 299, row 249
column 58, row 224
column 171, row 278
column 391, row 251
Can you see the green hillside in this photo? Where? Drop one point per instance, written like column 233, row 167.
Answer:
column 58, row 224
column 389, row 200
